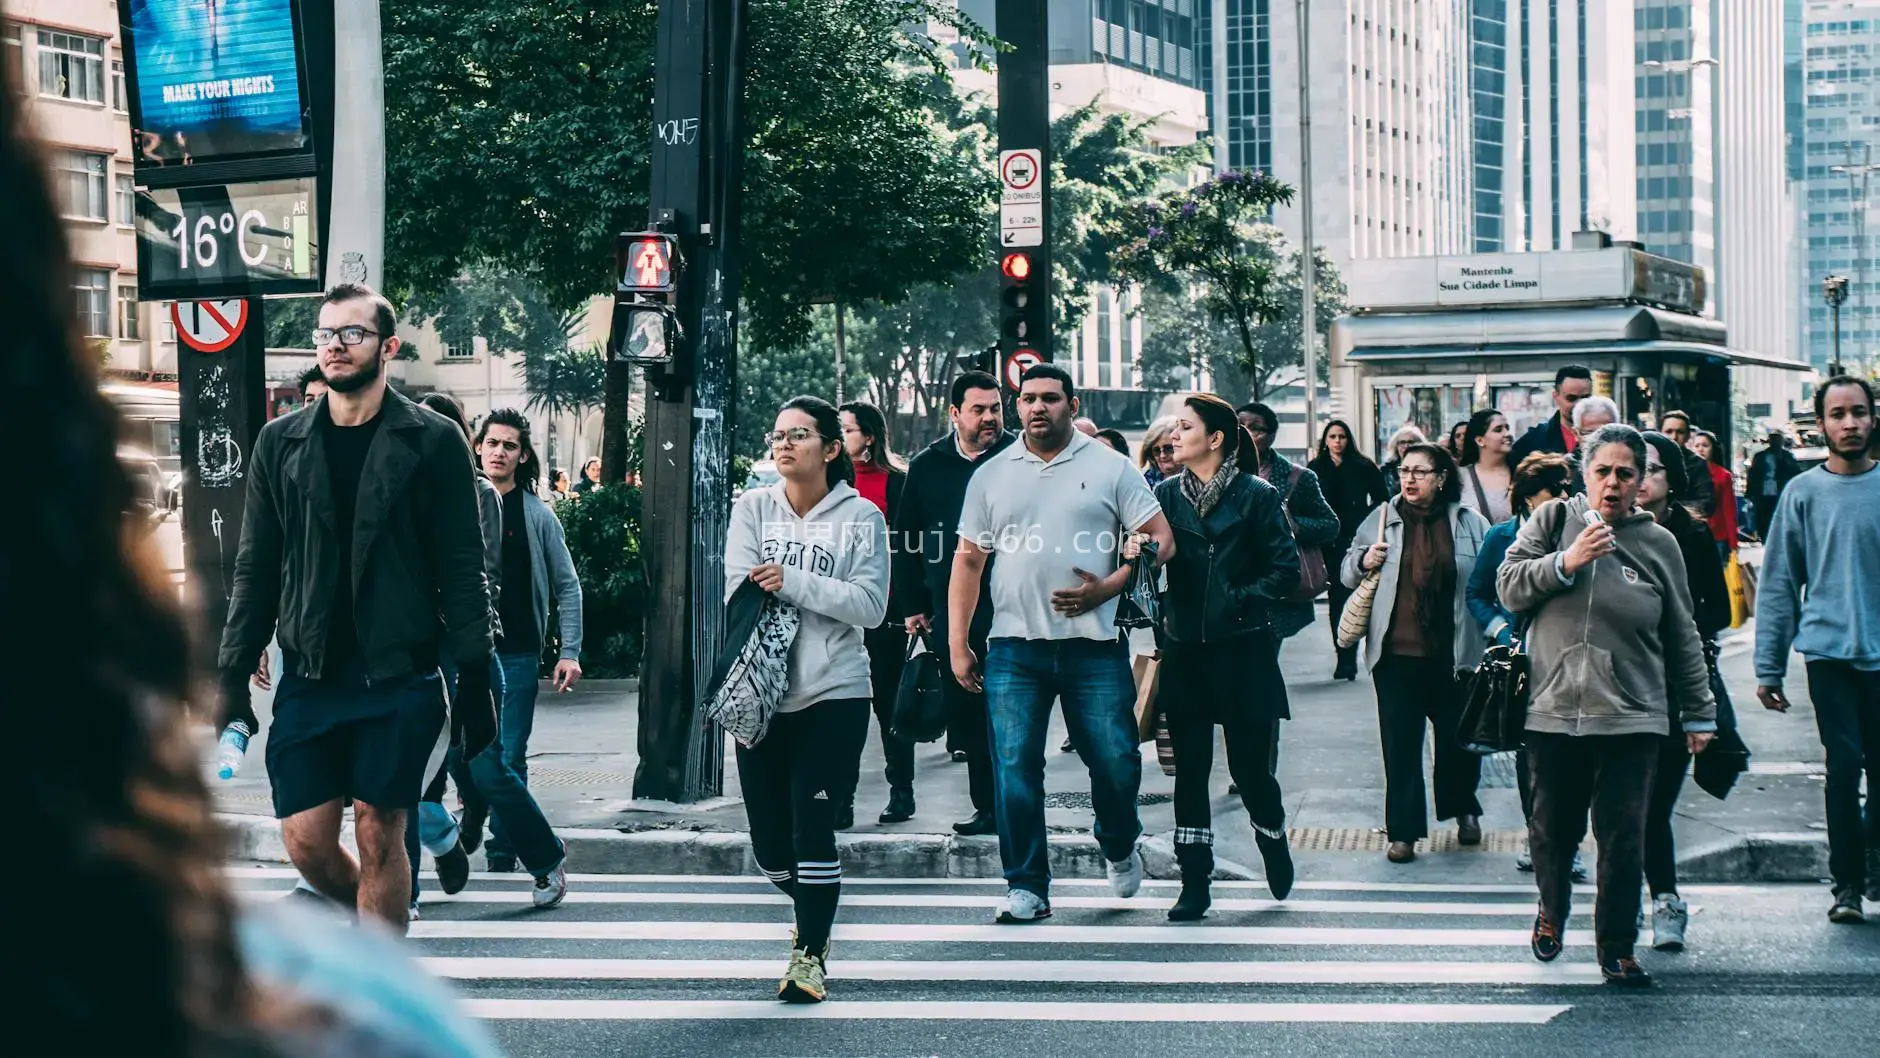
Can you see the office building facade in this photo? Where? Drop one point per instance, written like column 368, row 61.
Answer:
column 1552, row 123
column 1841, row 50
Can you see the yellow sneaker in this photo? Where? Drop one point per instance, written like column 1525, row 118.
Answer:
column 804, row 981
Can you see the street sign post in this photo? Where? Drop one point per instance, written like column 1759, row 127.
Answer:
column 1017, row 364
column 1024, row 177
column 221, row 359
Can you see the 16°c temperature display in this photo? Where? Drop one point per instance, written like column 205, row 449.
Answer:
column 227, row 241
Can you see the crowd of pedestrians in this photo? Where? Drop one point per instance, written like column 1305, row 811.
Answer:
column 1594, row 550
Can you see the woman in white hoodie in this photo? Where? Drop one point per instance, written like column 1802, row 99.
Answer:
column 816, row 544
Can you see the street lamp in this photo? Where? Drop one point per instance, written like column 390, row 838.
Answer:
column 1864, row 171
column 1834, row 292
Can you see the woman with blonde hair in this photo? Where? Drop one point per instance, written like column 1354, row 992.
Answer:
column 1156, row 457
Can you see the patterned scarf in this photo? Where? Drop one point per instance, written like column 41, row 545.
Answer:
column 1205, row 496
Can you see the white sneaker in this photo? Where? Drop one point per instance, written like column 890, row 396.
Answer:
column 551, row 887
column 1670, row 917
column 1126, row 875
column 1023, row 905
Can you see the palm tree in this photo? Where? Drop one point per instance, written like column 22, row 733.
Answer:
column 566, row 379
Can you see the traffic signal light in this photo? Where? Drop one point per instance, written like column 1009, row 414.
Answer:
column 1021, row 319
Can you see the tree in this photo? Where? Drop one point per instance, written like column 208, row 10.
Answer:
column 567, row 380
column 517, row 132
column 1102, row 169
column 1210, row 236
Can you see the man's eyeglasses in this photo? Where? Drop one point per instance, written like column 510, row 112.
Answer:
column 795, row 435
column 1417, row 473
column 349, row 335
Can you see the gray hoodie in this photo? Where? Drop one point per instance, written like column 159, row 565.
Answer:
column 835, row 570
column 1614, row 648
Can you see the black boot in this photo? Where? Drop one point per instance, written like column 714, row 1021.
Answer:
column 900, row 805
column 1277, row 855
column 1197, row 863
column 1347, row 664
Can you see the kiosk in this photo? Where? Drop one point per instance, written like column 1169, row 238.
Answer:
column 1442, row 336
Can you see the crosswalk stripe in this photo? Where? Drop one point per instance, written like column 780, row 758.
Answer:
column 979, row 1011
column 929, row 900
column 1057, row 885
column 1043, row 933
column 1069, row 971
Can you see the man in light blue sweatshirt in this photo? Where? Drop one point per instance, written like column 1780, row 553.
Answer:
column 1816, row 596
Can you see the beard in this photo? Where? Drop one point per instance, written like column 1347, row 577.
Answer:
column 358, row 380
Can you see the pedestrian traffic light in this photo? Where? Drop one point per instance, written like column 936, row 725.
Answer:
column 648, row 263
column 1021, row 322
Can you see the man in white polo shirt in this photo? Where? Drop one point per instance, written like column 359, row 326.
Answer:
column 1054, row 508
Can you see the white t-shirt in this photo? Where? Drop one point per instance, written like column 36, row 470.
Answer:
column 1044, row 520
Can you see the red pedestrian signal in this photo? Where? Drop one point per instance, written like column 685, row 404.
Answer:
column 646, row 263
column 1016, row 266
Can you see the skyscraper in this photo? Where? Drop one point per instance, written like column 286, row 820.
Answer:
column 1552, row 124
column 1840, row 38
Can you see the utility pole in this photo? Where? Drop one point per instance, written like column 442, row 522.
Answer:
column 1308, row 265
column 697, row 156
column 1024, row 182
column 1857, row 192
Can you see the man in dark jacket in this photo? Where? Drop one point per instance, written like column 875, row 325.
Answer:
column 1769, row 473
column 1700, row 494
column 925, row 530
column 361, row 552
column 1572, row 384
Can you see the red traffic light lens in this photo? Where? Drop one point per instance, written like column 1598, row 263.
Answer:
column 1016, row 266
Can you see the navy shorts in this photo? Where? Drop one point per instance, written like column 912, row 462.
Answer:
column 341, row 737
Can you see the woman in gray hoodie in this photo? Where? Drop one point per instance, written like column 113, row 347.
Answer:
column 1615, row 655
column 814, row 543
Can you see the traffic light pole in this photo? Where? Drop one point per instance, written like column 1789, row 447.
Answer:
column 1024, row 178
column 697, row 175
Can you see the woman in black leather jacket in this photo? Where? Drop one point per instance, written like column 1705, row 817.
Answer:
column 1234, row 558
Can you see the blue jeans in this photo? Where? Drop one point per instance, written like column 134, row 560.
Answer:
column 1092, row 679
column 518, row 676
column 490, row 779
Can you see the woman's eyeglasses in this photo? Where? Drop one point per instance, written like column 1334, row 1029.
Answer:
column 795, row 435
column 1164, row 450
column 1418, row 473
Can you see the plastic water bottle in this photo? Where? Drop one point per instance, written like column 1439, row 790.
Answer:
column 229, row 750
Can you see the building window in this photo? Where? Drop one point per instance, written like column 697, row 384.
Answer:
column 80, row 185
column 93, row 289
column 71, row 66
column 130, row 324
column 126, row 201
column 120, row 102
column 13, row 61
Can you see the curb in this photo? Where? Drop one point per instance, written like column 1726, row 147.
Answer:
column 1765, row 858
column 680, row 852
column 1777, row 857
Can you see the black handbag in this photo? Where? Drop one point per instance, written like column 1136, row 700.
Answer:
column 1139, row 606
column 920, row 705
column 1494, row 716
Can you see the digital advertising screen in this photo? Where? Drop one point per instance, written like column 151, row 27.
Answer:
column 215, row 81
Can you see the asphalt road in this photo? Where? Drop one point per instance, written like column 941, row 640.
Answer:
column 665, row 967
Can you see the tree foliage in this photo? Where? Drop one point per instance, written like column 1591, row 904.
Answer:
column 518, row 132
column 1211, row 237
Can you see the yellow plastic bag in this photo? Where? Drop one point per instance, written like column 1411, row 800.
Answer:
column 1739, row 595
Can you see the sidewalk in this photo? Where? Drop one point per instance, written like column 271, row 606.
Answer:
column 582, row 760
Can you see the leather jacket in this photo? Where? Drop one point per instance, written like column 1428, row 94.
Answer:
column 1230, row 567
